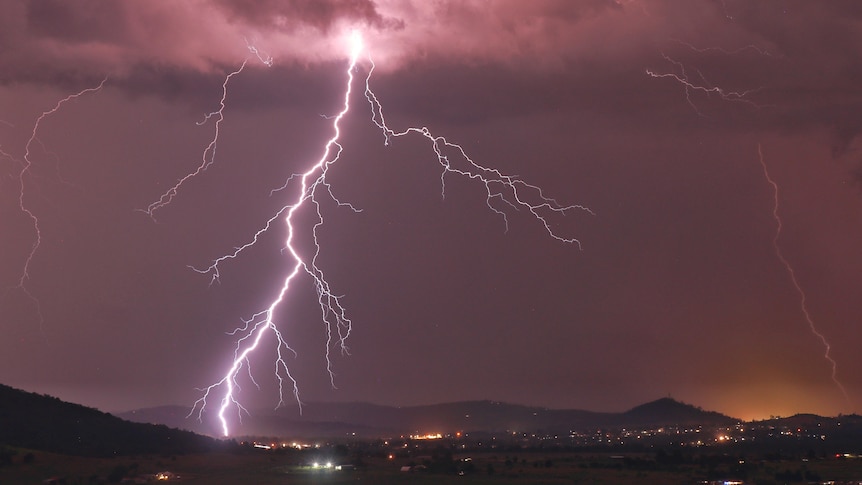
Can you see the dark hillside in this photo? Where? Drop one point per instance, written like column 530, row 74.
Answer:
column 667, row 411
column 45, row 423
column 370, row 420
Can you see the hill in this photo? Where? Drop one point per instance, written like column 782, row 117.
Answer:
column 45, row 423
column 371, row 420
column 669, row 411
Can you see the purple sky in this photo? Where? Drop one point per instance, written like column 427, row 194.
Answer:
column 677, row 290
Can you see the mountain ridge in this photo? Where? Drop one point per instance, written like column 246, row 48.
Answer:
column 367, row 419
column 41, row 422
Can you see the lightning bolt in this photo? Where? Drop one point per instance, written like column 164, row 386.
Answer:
column 507, row 189
column 502, row 191
column 739, row 50
column 703, row 86
column 792, row 274
column 26, row 165
column 333, row 313
column 209, row 153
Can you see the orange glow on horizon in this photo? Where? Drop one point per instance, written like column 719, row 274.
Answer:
column 764, row 401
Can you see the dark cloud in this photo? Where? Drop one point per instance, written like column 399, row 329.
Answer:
column 100, row 21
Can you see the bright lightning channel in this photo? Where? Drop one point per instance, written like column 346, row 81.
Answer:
column 26, row 165
column 792, row 274
column 501, row 191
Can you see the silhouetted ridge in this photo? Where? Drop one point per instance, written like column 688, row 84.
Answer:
column 371, row 420
column 669, row 411
column 40, row 422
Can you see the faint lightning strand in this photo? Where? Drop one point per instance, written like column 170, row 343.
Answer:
column 25, row 170
column 333, row 313
column 706, row 88
column 749, row 47
column 790, row 271
column 507, row 189
column 209, row 153
column 8, row 156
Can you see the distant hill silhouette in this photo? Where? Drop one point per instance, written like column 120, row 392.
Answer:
column 45, row 423
column 669, row 411
column 371, row 420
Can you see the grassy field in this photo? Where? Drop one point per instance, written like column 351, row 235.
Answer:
column 264, row 467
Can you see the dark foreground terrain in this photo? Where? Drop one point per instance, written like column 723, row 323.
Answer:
column 263, row 467
column 45, row 440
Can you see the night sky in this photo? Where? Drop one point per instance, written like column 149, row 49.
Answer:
column 654, row 114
